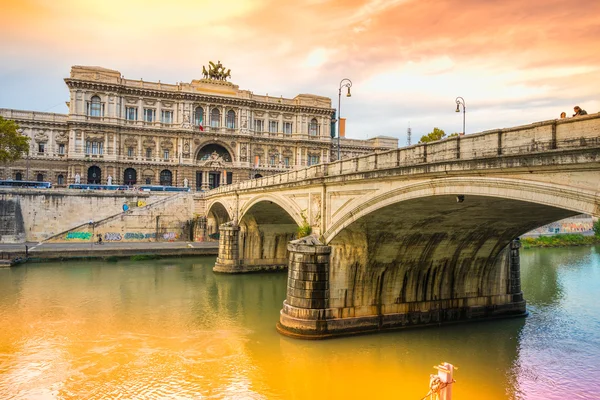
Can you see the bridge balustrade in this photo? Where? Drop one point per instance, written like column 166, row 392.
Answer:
column 534, row 138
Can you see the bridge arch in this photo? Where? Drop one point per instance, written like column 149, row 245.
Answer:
column 278, row 203
column 267, row 224
column 216, row 215
column 566, row 198
column 443, row 241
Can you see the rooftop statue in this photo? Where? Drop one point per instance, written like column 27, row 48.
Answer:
column 216, row 71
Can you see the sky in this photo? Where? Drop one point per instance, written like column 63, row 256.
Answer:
column 514, row 62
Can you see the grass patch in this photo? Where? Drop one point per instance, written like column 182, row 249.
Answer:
column 111, row 259
column 561, row 240
column 144, row 257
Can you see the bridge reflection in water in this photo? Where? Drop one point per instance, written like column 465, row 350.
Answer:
column 167, row 328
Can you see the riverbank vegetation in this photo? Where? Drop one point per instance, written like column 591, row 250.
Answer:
column 561, row 240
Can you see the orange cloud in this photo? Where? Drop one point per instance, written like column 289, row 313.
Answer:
column 411, row 55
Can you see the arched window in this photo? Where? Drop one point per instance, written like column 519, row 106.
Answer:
column 148, row 181
column 94, row 175
column 60, row 179
column 199, row 116
column 231, row 119
column 130, row 176
column 18, row 176
column 313, row 127
column 257, row 176
column 40, row 177
column 215, row 118
column 95, row 107
column 166, row 178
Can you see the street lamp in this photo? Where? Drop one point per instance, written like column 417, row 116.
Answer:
column 348, row 84
column 460, row 101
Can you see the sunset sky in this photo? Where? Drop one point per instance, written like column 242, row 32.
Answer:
column 514, row 62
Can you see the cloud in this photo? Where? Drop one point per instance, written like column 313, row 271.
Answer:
column 408, row 59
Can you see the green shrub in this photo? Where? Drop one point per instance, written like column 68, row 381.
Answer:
column 303, row 230
column 111, row 259
column 597, row 228
column 561, row 240
column 143, row 257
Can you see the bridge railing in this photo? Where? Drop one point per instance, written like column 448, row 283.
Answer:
column 554, row 135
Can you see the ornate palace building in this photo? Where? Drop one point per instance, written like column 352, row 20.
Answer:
column 204, row 134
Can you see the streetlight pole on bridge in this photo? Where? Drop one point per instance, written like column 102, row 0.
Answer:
column 343, row 83
column 460, row 101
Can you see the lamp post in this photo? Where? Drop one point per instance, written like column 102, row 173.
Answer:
column 460, row 101
column 348, row 84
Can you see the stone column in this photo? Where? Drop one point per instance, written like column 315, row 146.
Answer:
column 515, row 271
column 228, row 260
column 305, row 309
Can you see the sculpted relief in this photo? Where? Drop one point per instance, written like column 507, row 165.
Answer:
column 62, row 138
column 41, row 136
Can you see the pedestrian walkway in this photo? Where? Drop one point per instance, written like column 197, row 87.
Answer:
column 48, row 251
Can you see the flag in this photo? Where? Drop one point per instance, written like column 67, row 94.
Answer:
column 201, row 127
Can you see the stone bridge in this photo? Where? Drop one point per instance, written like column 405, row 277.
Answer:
column 426, row 234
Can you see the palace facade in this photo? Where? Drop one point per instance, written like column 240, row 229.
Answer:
column 202, row 134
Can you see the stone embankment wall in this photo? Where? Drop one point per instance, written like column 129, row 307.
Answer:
column 64, row 215
column 12, row 229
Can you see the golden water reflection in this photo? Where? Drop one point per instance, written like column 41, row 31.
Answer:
column 174, row 329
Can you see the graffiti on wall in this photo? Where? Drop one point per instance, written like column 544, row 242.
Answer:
column 79, row 235
column 170, row 236
column 112, row 237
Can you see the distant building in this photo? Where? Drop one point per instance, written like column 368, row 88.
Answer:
column 208, row 131
column 582, row 224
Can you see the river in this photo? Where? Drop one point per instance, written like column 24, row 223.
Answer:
column 173, row 329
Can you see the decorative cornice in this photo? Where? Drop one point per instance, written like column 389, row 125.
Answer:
column 201, row 98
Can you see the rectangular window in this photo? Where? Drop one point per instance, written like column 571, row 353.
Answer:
column 149, row 114
column 256, row 161
column 94, row 147
column 273, row 160
column 259, row 125
column 61, row 149
column 166, row 117
column 131, row 113
column 130, row 152
column 273, row 126
column 286, row 161
column 287, row 128
column 166, row 154
column 148, row 153
column 313, row 160
column 41, row 147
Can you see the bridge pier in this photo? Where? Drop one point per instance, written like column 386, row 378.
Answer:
column 246, row 248
column 228, row 260
column 305, row 309
column 311, row 311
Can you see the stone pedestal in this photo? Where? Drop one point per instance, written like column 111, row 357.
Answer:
column 228, row 260
column 305, row 309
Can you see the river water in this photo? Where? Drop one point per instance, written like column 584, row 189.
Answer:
column 173, row 329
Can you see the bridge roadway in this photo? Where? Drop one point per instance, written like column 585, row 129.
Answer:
column 426, row 234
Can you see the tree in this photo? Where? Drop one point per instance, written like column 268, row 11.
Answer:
column 597, row 228
column 12, row 143
column 437, row 134
column 453, row 134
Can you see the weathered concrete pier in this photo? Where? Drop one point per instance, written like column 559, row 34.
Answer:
column 415, row 236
